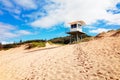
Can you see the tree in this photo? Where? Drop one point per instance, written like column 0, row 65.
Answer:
column 20, row 41
column 1, row 46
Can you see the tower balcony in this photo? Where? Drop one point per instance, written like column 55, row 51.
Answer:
column 75, row 29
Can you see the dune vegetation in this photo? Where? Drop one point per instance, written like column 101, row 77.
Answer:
column 29, row 44
column 59, row 40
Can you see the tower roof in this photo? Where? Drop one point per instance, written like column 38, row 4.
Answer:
column 75, row 22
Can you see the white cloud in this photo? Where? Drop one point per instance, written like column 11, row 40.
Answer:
column 15, row 7
column 6, row 27
column 23, row 32
column 113, row 19
column 27, row 4
column 8, row 31
column 99, row 30
column 5, row 42
column 89, row 26
column 5, row 31
column 6, row 3
column 46, row 22
column 16, row 17
column 69, row 10
column 17, row 11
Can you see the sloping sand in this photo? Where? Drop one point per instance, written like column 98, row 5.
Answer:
column 94, row 60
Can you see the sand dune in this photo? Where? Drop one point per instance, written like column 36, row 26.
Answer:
column 98, row 59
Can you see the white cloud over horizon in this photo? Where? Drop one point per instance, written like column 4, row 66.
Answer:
column 8, row 31
column 5, row 42
column 71, row 10
column 99, row 30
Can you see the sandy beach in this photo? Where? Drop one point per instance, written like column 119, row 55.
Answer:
column 98, row 59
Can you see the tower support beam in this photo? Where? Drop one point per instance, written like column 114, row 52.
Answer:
column 76, row 35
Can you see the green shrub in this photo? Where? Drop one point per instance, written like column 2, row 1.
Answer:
column 35, row 44
column 30, row 41
column 86, row 39
column 60, row 40
column 66, row 39
column 8, row 46
column 39, row 44
column 118, row 29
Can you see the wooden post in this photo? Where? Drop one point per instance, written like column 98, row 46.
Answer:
column 77, row 37
column 81, row 37
column 70, row 39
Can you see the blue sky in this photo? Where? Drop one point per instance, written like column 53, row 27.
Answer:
column 46, row 19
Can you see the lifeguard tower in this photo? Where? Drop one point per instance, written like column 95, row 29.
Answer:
column 76, row 31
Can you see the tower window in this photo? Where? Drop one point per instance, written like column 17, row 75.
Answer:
column 73, row 25
column 79, row 25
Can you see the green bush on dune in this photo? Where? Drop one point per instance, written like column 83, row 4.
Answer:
column 60, row 40
column 1, row 46
column 118, row 29
column 86, row 39
column 30, row 41
column 30, row 44
column 8, row 46
column 35, row 44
